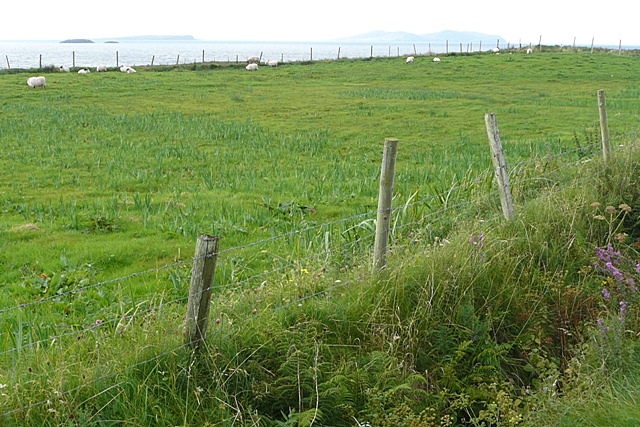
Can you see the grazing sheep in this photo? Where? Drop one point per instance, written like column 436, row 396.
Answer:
column 272, row 63
column 37, row 81
column 253, row 59
column 436, row 59
column 101, row 68
column 64, row 69
column 84, row 71
column 127, row 69
column 410, row 59
column 529, row 51
column 252, row 67
column 496, row 50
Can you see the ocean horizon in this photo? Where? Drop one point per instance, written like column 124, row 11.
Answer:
column 42, row 53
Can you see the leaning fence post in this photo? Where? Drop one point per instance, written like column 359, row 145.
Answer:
column 385, row 198
column 204, row 265
column 604, row 125
column 499, row 166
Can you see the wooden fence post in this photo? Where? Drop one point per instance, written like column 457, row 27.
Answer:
column 499, row 166
column 204, row 265
column 604, row 125
column 385, row 199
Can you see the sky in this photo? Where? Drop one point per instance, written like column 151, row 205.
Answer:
column 549, row 21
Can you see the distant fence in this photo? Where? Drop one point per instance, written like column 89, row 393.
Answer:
column 362, row 229
column 365, row 50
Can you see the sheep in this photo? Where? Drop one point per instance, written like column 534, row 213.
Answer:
column 410, row 59
column 37, row 82
column 272, row 63
column 127, row 69
column 101, row 68
column 253, row 59
column 529, row 51
column 252, row 67
column 64, row 69
column 84, row 71
column 436, row 59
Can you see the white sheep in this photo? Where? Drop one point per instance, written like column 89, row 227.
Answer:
column 252, row 67
column 253, row 59
column 272, row 63
column 101, row 68
column 84, row 71
column 37, row 81
column 410, row 59
column 436, row 59
column 127, row 69
column 529, row 51
column 64, row 69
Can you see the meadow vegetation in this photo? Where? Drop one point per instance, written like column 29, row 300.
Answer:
column 108, row 179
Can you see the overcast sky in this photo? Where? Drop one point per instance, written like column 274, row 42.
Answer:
column 556, row 21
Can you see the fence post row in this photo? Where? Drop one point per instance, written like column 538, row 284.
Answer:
column 204, row 265
column 499, row 166
column 604, row 125
column 385, row 199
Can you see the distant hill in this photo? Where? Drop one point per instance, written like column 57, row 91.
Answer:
column 149, row 38
column 440, row 37
column 77, row 41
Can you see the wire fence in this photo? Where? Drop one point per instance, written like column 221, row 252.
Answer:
column 156, row 318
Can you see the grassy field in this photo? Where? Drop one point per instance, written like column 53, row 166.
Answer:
column 108, row 179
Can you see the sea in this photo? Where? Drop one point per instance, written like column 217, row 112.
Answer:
column 38, row 54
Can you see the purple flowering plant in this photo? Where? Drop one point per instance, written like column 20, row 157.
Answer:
column 619, row 284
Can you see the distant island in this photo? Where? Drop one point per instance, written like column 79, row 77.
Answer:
column 77, row 41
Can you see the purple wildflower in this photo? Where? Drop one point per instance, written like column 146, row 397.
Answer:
column 601, row 327
column 477, row 241
column 605, row 293
column 623, row 311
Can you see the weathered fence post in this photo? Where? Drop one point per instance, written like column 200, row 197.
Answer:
column 499, row 166
column 117, row 59
column 385, row 199
column 8, row 64
column 40, row 61
column 604, row 125
column 204, row 265
column 73, row 60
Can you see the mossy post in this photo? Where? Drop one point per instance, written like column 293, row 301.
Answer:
column 604, row 125
column 499, row 166
column 385, row 198
column 204, row 266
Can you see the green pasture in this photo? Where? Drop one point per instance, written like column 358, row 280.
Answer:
column 165, row 156
column 107, row 180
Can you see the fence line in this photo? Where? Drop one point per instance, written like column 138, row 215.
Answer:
column 290, row 303
column 369, row 215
